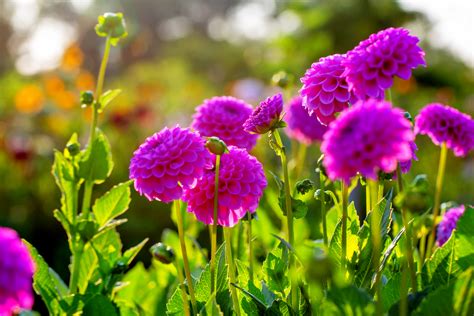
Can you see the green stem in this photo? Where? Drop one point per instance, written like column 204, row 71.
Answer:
column 249, row 237
column 214, row 226
column 377, row 248
column 368, row 202
column 301, row 160
column 399, row 178
column 289, row 217
column 184, row 295
column 231, row 269
column 437, row 199
column 345, row 202
column 184, row 253
column 323, row 208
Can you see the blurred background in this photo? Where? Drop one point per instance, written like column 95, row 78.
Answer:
column 177, row 54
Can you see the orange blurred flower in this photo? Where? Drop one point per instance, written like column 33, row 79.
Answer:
column 29, row 99
column 53, row 84
column 65, row 99
column 85, row 81
column 72, row 58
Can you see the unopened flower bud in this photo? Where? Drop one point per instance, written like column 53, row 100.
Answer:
column 87, row 98
column 112, row 24
column 304, row 186
column 319, row 195
column 216, row 146
column 408, row 116
column 120, row 267
column 162, row 253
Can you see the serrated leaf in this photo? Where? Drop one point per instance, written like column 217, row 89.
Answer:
column 100, row 305
column 112, row 204
column 95, row 164
column 275, row 269
column 464, row 235
column 351, row 301
column 211, row 308
column 390, row 248
column 107, row 97
column 63, row 172
column 442, row 267
column 335, row 245
column 131, row 253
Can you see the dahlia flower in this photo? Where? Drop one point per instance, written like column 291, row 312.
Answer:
column 405, row 165
column 325, row 89
column 241, row 185
column 303, row 127
column 266, row 116
column 369, row 137
column 168, row 162
column 223, row 117
column 16, row 273
column 372, row 65
column 447, row 224
column 444, row 124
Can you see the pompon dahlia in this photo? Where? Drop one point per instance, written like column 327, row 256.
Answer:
column 325, row 90
column 241, row 185
column 16, row 273
column 266, row 116
column 167, row 162
column 301, row 126
column 448, row 224
column 223, row 117
column 369, row 137
column 444, row 124
column 371, row 66
column 405, row 165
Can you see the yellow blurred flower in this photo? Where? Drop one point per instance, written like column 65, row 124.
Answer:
column 72, row 57
column 65, row 99
column 85, row 81
column 53, row 84
column 56, row 123
column 29, row 99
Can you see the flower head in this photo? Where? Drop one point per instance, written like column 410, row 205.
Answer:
column 266, row 116
column 444, row 124
column 447, row 224
column 325, row 91
column 241, row 185
column 405, row 165
column 369, row 137
column 168, row 162
column 372, row 65
column 223, row 117
column 16, row 273
column 302, row 126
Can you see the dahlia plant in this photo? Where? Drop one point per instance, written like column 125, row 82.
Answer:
column 373, row 257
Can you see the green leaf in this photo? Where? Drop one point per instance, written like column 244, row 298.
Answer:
column 391, row 291
column 100, row 305
column 131, row 253
column 465, row 239
column 96, row 162
column 63, row 172
column 45, row 282
column 275, row 269
column 351, row 301
column 390, row 248
column 112, row 204
column 107, row 97
column 335, row 245
column 211, row 308
column 442, row 267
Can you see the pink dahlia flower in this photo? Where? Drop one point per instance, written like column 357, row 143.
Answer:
column 369, row 137
column 241, row 185
column 444, row 124
column 223, row 117
column 372, row 65
column 448, row 224
column 325, row 90
column 266, row 116
column 16, row 273
column 303, row 127
column 168, row 162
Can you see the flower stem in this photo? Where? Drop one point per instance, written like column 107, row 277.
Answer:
column 289, row 217
column 437, row 199
column 184, row 295
column 249, row 237
column 184, row 253
column 214, row 226
column 377, row 248
column 345, row 200
column 230, row 265
column 323, row 208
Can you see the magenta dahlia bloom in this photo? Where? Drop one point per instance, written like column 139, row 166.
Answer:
column 16, row 273
column 303, row 127
column 369, row 137
column 241, row 185
column 223, row 117
column 448, row 224
column 266, row 116
column 444, row 124
column 325, row 90
column 372, row 65
column 168, row 162
column 405, row 165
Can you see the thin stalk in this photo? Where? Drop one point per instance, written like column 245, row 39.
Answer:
column 289, row 217
column 249, row 237
column 323, row 208
column 368, row 202
column 76, row 264
column 377, row 248
column 184, row 253
column 184, row 295
column 302, row 150
column 230, row 265
column 437, row 199
column 214, row 226
column 345, row 202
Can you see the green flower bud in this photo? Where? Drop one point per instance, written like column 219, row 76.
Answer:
column 304, row 186
column 320, row 194
column 120, row 267
column 408, row 116
column 87, row 98
column 162, row 253
column 281, row 79
column 73, row 149
column 113, row 25
column 216, row 146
